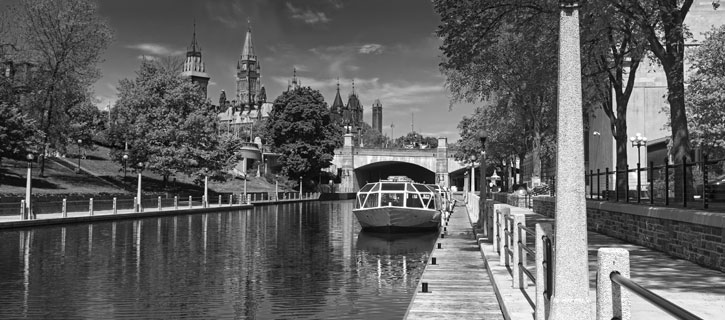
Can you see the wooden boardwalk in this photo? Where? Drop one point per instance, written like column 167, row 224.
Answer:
column 459, row 286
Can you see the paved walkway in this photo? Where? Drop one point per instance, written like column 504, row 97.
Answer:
column 697, row 289
column 458, row 284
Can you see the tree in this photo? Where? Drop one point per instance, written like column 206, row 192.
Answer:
column 372, row 138
column 300, row 129
column 503, row 54
column 169, row 127
column 65, row 40
column 662, row 22
column 613, row 45
column 706, row 99
column 18, row 133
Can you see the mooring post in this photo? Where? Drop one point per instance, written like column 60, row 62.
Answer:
column 90, row 207
column 64, row 210
column 571, row 275
column 115, row 210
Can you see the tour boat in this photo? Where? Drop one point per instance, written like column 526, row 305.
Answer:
column 397, row 204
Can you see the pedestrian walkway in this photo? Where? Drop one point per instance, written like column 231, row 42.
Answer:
column 697, row 289
column 458, row 285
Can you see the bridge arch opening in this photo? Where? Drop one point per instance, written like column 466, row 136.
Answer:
column 381, row 170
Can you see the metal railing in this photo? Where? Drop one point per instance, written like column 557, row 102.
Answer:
column 612, row 301
column 115, row 205
column 657, row 186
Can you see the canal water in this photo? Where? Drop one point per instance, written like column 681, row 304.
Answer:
column 289, row 261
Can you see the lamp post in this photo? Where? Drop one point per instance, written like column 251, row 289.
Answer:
column 125, row 158
column 78, row 170
column 638, row 141
column 483, row 219
column 473, row 173
column 138, row 191
column 28, row 188
column 300, row 187
column 276, row 187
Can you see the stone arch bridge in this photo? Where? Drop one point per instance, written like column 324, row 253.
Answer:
column 358, row 166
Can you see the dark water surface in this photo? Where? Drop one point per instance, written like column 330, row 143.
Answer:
column 291, row 261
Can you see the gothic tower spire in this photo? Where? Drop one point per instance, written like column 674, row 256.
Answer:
column 194, row 68
column 248, row 72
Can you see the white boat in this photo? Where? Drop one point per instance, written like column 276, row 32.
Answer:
column 397, row 204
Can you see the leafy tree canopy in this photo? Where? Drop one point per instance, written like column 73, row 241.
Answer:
column 169, row 127
column 300, row 129
column 706, row 99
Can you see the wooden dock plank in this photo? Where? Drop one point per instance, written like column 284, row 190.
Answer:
column 458, row 285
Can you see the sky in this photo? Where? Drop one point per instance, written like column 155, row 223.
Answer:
column 388, row 48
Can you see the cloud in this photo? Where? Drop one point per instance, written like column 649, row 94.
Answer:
column 229, row 13
column 155, row 49
column 371, row 48
column 307, row 15
column 147, row 57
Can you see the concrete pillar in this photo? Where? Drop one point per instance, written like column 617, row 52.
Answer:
column 612, row 300
column 347, row 181
column 442, row 177
column 571, row 272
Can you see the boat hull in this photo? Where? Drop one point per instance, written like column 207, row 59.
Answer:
column 395, row 219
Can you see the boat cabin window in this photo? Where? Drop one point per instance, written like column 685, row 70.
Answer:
column 413, row 201
column 391, row 199
column 427, row 197
column 409, row 188
column 360, row 200
column 367, row 187
column 376, row 187
column 372, row 201
column 392, row 186
column 422, row 188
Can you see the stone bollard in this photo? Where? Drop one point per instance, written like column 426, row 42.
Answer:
column 159, row 203
column 22, row 210
column 64, row 209
column 115, row 209
column 612, row 301
column 90, row 207
column 520, row 281
column 502, row 243
column 231, row 199
column 176, row 202
column 220, row 200
column 542, row 303
column 190, row 202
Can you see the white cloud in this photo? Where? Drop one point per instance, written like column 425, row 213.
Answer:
column 371, row 48
column 229, row 13
column 147, row 58
column 307, row 15
column 155, row 49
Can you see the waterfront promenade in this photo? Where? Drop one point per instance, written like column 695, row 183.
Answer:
column 697, row 289
column 458, row 284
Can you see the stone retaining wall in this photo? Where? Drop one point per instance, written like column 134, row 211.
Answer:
column 511, row 199
column 697, row 236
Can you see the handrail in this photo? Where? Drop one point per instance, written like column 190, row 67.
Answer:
column 651, row 297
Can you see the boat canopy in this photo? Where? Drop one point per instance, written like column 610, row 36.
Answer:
column 396, row 194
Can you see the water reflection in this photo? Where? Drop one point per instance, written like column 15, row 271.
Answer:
column 298, row 260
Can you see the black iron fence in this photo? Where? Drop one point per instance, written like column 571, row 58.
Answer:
column 695, row 184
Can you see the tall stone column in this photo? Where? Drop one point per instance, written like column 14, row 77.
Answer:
column 347, row 181
column 442, row 177
column 571, row 271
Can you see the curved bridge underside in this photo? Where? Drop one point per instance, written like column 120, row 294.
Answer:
column 381, row 170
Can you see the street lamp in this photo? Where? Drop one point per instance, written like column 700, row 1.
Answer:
column 125, row 158
column 78, row 170
column 28, row 187
column 300, row 187
column 638, row 141
column 482, row 138
column 276, row 187
column 138, row 191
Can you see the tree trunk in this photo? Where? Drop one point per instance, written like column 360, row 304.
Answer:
column 674, row 70
column 536, row 157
